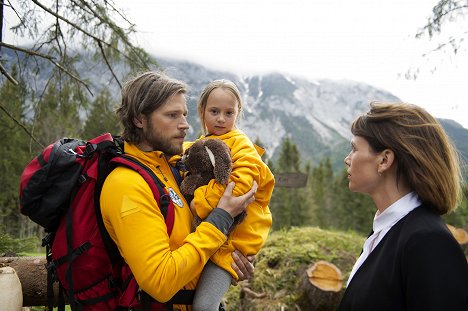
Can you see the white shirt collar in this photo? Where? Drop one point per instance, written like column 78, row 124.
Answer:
column 395, row 212
column 383, row 222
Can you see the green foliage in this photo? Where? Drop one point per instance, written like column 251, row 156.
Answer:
column 286, row 254
column 56, row 115
column 102, row 117
column 459, row 218
column 289, row 159
column 289, row 205
column 9, row 244
column 321, row 186
column 352, row 211
column 14, row 153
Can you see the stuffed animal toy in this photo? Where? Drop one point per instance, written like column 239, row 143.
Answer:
column 205, row 160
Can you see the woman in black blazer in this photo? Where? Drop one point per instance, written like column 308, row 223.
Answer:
column 404, row 160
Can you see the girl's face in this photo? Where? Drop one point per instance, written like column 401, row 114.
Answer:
column 221, row 112
column 363, row 165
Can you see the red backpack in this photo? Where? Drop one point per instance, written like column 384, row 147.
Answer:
column 60, row 190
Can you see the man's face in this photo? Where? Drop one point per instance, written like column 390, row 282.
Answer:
column 164, row 129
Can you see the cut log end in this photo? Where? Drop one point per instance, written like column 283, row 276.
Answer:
column 460, row 234
column 325, row 276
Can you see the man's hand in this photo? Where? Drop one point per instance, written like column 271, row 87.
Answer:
column 235, row 205
column 243, row 266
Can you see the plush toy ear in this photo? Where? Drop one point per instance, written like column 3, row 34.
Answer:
column 223, row 162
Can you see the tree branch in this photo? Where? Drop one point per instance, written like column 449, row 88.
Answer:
column 21, row 125
column 114, row 27
column 434, row 23
column 108, row 64
column 7, row 75
column 79, row 28
column 49, row 58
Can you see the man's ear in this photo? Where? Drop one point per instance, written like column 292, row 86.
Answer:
column 139, row 121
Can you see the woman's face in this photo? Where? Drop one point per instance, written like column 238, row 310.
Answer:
column 363, row 165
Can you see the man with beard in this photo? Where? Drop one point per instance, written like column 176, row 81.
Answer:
column 153, row 113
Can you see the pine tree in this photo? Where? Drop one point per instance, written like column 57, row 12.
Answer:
column 321, row 185
column 352, row 211
column 102, row 118
column 14, row 153
column 288, row 205
column 57, row 114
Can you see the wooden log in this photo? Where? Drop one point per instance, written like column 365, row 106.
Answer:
column 460, row 234
column 11, row 297
column 321, row 287
column 33, row 277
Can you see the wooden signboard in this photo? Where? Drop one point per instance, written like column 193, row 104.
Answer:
column 290, row 180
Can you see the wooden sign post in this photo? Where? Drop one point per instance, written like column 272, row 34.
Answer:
column 290, row 180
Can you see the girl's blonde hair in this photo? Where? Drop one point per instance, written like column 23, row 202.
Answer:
column 426, row 158
column 224, row 84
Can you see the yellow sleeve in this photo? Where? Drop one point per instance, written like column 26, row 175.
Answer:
column 162, row 265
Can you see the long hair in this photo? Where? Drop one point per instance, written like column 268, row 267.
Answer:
column 142, row 95
column 226, row 85
column 425, row 156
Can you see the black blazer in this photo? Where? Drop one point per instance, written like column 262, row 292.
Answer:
column 418, row 265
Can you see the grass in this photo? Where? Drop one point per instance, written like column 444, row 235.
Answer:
column 284, row 258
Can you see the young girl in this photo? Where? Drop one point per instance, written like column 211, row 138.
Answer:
column 219, row 107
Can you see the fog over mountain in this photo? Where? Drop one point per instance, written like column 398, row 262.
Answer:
column 316, row 115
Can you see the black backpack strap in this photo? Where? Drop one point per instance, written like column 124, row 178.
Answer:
column 176, row 171
column 182, row 297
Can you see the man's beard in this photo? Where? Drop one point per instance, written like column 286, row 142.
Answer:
column 158, row 141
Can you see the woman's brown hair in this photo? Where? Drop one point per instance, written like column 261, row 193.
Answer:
column 426, row 158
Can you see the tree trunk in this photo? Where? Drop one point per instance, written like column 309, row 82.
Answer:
column 33, row 277
column 321, row 287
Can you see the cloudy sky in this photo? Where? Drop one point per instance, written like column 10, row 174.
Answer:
column 371, row 41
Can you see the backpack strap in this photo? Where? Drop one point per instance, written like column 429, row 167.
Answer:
column 166, row 206
column 179, row 167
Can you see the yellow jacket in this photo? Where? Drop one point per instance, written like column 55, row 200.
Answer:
column 161, row 264
column 247, row 166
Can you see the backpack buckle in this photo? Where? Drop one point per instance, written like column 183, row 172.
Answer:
column 47, row 240
column 89, row 150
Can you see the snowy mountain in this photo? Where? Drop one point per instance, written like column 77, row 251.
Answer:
column 316, row 115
